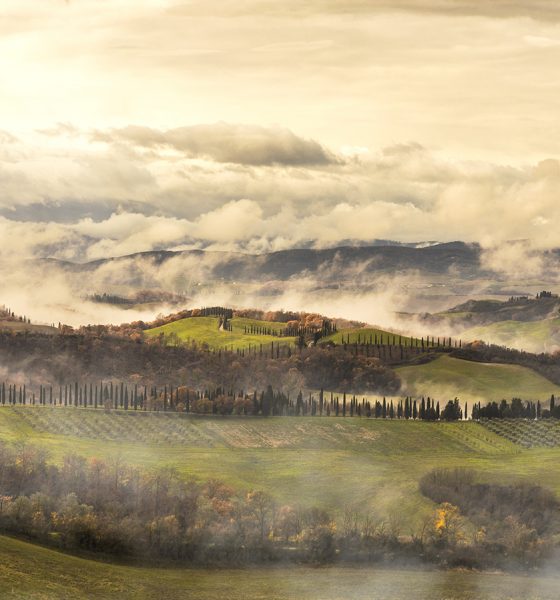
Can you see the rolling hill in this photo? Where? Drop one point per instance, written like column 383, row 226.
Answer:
column 206, row 330
column 369, row 335
column 446, row 378
column 365, row 464
column 17, row 326
column 533, row 336
column 285, row 264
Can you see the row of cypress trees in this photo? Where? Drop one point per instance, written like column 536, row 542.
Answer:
column 109, row 395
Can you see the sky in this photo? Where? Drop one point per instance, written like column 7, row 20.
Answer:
column 131, row 125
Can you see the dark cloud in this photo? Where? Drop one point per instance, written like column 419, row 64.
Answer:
column 227, row 143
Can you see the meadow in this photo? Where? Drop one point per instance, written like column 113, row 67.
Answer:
column 370, row 466
column 205, row 330
column 364, row 335
column 447, row 377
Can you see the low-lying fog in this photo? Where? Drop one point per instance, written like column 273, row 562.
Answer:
column 50, row 292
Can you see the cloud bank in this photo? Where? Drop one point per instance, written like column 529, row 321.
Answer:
column 81, row 194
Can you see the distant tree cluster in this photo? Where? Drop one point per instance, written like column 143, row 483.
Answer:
column 139, row 297
column 110, row 299
column 545, row 294
column 7, row 314
column 516, row 409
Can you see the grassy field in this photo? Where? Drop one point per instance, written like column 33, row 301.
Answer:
column 29, row 572
column 372, row 466
column 368, row 335
column 534, row 336
column 446, row 378
column 206, row 330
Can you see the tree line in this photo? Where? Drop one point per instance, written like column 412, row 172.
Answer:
column 181, row 399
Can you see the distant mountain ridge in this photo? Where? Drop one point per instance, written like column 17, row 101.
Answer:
column 285, row 264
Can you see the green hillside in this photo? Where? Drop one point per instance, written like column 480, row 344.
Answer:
column 446, row 378
column 368, row 335
column 535, row 336
column 372, row 466
column 206, row 330
column 29, row 572
column 368, row 464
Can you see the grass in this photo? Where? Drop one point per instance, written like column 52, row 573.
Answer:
column 446, row 378
column 372, row 466
column 368, row 334
column 30, row 572
column 205, row 330
column 536, row 336
column 367, row 464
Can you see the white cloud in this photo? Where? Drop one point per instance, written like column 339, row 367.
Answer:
column 96, row 199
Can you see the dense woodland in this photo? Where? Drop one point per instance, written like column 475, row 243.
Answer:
column 65, row 359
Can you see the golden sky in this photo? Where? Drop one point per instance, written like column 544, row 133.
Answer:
column 134, row 124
